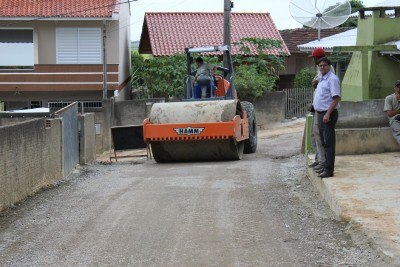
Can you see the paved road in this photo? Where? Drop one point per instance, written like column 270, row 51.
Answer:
column 259, row 211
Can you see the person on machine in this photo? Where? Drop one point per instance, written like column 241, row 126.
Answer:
column 203, row 79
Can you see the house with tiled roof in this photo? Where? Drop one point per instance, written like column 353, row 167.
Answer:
column 166, row 34
column 54, row 51
column 300, row 59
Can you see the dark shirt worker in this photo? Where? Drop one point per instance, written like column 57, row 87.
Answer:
column 326, row 102
column 392, row 109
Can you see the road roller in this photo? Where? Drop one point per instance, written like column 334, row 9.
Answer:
column 213, row 127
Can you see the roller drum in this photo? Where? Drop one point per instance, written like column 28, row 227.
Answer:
column 196, row 150
column 193, row 112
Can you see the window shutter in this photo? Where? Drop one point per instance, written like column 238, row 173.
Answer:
column 78, row 45
column 67, row 45
column 89, row 49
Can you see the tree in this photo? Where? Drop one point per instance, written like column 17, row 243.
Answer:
column 355, row 6
column 137, row 64
column 254, row 75
column 257, row 74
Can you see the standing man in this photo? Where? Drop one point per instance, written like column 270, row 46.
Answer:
column 392, row 108
column 326, row 102
column 319, row 162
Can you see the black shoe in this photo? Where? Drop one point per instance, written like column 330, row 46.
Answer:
column 325, row 175
column 319, row 169
column 312, row 165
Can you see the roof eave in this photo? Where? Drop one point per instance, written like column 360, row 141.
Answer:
column 310, row 49
column 114, row 17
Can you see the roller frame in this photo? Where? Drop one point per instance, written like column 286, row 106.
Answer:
column 237, row 129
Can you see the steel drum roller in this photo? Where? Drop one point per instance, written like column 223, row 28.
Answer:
column 195, row 150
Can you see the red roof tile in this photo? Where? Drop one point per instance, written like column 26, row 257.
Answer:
column 295, row 37
column 58, row 8
column 166, row 34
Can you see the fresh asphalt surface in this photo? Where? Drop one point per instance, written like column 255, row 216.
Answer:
column 260, row 211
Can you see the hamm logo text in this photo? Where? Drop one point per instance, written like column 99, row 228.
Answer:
column 189, row 131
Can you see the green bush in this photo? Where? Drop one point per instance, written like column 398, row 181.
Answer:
column 158, row 76
column 250, row 84
column 165, row 76
column 304, row 78
column 258, row 74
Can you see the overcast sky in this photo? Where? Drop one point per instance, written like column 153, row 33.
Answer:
column 279, row 10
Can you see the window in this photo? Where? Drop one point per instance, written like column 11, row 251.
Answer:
column 36, row 104
column 17, row 49
column 78, row 45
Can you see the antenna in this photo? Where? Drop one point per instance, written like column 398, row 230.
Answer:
column 320, row 14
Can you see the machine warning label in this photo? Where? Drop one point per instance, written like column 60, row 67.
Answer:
column 189, row 131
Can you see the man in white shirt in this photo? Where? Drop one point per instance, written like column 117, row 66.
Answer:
column 326, row 102
column 319, row 162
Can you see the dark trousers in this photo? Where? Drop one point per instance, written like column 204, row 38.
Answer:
column 328, row 139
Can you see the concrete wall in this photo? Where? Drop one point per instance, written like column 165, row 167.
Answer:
column 270, row 109
column 70, row 138
column 102, row 121
column 87, row 140
column 133, row 112
column 365, row 141
column 364, row 114
column 30, row 159
column 7, row 119
column 363, row 128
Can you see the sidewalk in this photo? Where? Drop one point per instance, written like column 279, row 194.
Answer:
column 365, row 191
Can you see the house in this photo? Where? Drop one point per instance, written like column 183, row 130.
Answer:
column 166, row 34
column 53, row 51
column 299, row 58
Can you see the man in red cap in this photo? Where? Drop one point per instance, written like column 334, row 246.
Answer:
column 317, row 54
column 319, row 162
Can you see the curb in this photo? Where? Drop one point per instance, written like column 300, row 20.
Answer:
column 359, row 233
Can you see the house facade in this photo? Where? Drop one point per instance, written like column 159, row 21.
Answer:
column 54, row 51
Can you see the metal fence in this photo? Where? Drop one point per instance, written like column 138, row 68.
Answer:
column 297, row 102
column 70, row 138
column 56, row 105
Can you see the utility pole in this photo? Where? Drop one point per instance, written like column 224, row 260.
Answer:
column 228, row 5
column 104, row 61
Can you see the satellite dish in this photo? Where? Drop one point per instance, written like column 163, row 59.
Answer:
column 320, row 14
